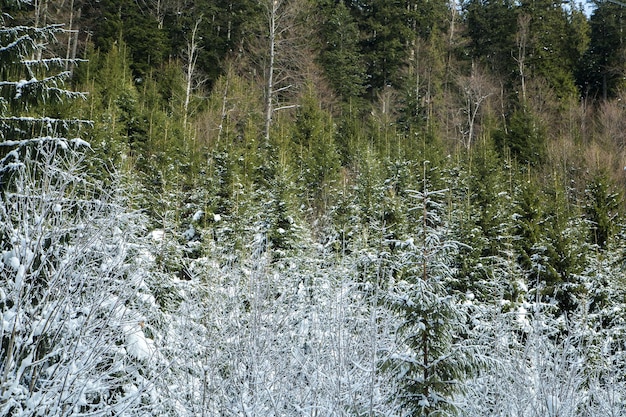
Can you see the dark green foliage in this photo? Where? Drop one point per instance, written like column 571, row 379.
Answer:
column 491, row 28
column 565, row 250
column 123, row 128
column 428, row 18
column 601, row 72
column 34, row 102
column 224, row 24
column 280, row 226
column 114, row 21
column 524, row 140
column 528, row 222
column 380, row 208
column 433, row 362
column 341, row 56
column 385, row 31
column 550, row 243
column 27, row 86
column 316, row 158
column 483, row 212
column 556, row 41
column 601, row 208
column 148, row 43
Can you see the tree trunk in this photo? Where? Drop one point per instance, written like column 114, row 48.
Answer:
column 269, row 86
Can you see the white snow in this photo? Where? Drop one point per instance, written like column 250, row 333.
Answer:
column 522, row 319
column 19, row 277
column 80, row 142
column 157, row 235
column 19, row 86
column 148, row 299
column 137, row 344
column 14, row 261
column 10, row 319
column 38, row 327
column 198, row 215
column 189, row 233
column 145, row 257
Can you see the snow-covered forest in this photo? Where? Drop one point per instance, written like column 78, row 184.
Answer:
column 312, row 208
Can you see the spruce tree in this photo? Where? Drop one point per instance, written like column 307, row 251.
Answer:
column 491, row 27
column 31, row 90
column 384, row 25
column 431, row 361
column 601, row 208
column 341, row 57
column 555, row 43
column 601, row 72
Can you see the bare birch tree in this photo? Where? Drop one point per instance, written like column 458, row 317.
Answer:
column 282, row 55
column 476, row 88
column 523, row 29
column 191, row 76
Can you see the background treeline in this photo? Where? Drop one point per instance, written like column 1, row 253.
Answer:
column 538, row 82
column 312, row 207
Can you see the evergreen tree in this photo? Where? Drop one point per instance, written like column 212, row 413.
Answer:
column 222, row 28
column 524, row 139
column 483, row 207
column 601, row 72
column 385, row 31
column 340, row 56
column 114, row 21
column 556, row 40
column 316, row 157
column 431, row 362
column 565, row 249
column 31, row 89
column 491, row 28
column 601, row 208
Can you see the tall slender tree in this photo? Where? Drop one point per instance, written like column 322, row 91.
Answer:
column 341, row 56
column 431, row 362
column 602, row 70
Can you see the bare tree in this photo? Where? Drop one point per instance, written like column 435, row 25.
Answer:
column 191, row 77
column 282, row 54
column 476, row 88
column 523, row 29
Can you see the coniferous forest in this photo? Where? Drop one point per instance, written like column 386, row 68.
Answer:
column 312, row 208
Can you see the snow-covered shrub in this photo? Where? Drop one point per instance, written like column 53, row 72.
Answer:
column 73, row 301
